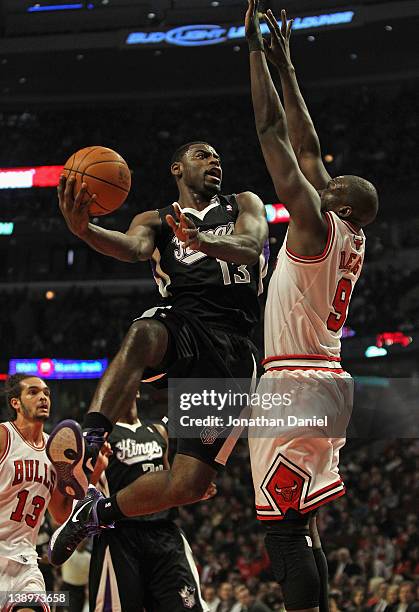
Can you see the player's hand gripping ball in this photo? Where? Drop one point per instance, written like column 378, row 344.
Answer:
column 105, row 173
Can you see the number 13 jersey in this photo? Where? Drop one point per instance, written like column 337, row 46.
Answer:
column 308, row 298
column 27, row 480
column 221, row 294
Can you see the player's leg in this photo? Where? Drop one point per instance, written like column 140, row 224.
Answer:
column 321, row 563
column 145, row 345
column 116, row 582
column 172, row 577
column 291, row 553
column 185, row 483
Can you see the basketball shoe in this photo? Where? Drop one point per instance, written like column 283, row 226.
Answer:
column 82, row 523
column 73, row 453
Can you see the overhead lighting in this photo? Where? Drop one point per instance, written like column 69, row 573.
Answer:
column 37, row 8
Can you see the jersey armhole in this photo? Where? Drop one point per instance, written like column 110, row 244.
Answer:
column 308, row 259
column 7, row 447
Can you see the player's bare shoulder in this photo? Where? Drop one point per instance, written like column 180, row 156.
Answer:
column 4, row 440
column 250, row 202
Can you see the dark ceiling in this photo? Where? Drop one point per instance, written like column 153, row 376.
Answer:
column 68, row 68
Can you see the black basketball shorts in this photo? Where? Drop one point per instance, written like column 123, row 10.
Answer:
column 146, row 564
column 196, row 351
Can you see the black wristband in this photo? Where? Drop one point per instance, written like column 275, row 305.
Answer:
column 97, row 420
column 255, row 43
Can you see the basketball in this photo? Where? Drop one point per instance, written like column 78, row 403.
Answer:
column 106, row 174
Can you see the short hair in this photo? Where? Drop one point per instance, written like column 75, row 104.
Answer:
column 13, row 389
column 180, row 152
column 363, row 198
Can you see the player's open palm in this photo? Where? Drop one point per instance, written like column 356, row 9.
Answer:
column 277, row 50
column 75, row 208
column 184, row 229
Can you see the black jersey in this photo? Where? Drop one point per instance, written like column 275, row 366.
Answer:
column 221, row 294
column 137, row 450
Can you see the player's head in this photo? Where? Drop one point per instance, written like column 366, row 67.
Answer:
column 28, row 397
column 351, row 198
column 196, row 165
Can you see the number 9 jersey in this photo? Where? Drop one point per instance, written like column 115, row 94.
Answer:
column 221, row 294
column 308, row 298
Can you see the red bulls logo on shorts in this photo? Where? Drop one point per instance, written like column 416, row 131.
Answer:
column 285, row 487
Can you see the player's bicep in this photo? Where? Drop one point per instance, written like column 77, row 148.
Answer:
column 251, row 220
column 142, row 232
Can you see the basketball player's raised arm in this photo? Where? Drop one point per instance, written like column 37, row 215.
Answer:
column 293, row 189
column 242, row 247
column 302, row 133
column 137, row 244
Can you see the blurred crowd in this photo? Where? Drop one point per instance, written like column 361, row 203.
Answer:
column 370, row 131
column 91, row 323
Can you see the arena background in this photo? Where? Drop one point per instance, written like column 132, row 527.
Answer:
column 69, row 78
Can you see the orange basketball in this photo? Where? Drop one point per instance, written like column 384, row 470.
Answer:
column 105, row 173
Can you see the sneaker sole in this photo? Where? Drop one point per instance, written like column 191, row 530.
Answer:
column 65, row 449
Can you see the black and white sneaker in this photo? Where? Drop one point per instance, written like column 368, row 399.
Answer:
column 82, row 523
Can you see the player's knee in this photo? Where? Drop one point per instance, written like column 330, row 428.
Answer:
column 147, row 339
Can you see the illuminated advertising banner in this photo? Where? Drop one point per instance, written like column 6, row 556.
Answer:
column 23, row 178
column 277, row 213
column 210, row 34
column 59, row 368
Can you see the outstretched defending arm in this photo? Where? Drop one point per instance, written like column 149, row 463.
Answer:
column 302, row 133
column 307, row 230
column 137, row 244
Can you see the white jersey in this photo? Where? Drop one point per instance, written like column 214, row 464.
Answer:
column 308, row 299
column 27, row 480
column 295, row 459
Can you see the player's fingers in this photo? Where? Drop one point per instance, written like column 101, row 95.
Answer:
column 61, row 185
column 69, row 190
column 187, row 222
column 283, row 22
column 90, row 201
column 270, row 25
column 272, row 20
column 171, row 223
column 289, row 27
column 79, row 199
column 177, row 210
